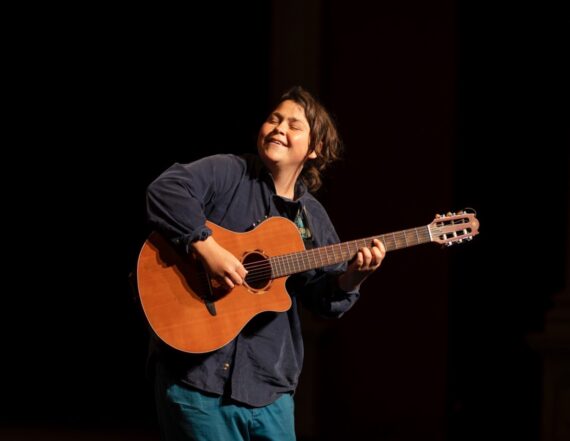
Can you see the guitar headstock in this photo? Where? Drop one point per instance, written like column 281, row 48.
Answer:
column 454, row 227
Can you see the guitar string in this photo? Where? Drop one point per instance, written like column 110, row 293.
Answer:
column 323, row 254
column 325, row 249
column 264, row 269
column 293, row 258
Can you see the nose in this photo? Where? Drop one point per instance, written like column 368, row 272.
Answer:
column 280, row 128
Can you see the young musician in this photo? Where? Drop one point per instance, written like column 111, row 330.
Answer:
column 244, row 390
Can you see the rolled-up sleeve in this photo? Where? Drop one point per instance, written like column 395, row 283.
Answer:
column 176, row 200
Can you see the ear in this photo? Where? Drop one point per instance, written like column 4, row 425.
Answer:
column 315, row 152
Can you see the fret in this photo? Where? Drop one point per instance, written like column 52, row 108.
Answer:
column 410, row 239
column 397, row 240
column 279, row 264
column 295, row 264
column 300, row 260
column 274, row 268
column 309, row 263
column 314, row 255
column 394, row 246
column 288, row 265
column 324, row 255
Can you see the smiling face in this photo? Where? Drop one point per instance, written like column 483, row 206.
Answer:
column 284, row 138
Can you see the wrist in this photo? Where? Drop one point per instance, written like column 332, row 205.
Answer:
column 201, row 247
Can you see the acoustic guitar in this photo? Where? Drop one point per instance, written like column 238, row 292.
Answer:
column 192, row 313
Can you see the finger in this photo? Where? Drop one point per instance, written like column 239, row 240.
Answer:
column 359, row 259
column 228, row 282
column 380, row 245
column 379, row 252
column 242, row 272
column 367, row 255
column 377, row 258
column 235, row 277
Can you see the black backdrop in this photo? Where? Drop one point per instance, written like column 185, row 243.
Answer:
column 441, row 106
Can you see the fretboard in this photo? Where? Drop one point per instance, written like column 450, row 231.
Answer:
column 300, row 261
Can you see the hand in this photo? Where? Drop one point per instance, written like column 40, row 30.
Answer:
column 222, row 265
column 366, row 261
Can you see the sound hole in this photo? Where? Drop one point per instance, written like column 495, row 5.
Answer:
column 259, row 270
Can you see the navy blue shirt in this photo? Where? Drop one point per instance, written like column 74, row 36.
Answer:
column 237, row 192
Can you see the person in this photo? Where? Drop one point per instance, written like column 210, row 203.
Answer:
column 244, row 390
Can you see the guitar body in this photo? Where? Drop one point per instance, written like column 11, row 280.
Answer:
column 175, row 290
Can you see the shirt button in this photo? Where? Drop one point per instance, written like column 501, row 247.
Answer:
column 226, row 366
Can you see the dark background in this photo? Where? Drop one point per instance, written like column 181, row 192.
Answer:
column 441, row 106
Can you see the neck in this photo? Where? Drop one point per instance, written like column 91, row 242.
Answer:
column 284, row 182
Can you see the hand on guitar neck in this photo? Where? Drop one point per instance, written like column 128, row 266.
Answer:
column 366, row 261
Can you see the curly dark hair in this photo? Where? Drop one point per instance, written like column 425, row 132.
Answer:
column 324, row 137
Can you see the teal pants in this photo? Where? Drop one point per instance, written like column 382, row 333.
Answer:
column 186, row 414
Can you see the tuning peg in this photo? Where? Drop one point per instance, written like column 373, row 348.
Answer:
column 437, row 216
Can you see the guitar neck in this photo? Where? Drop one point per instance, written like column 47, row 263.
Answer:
column 288, row 264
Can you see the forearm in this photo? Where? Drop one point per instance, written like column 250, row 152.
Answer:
column 349, row 281
column 324, row 296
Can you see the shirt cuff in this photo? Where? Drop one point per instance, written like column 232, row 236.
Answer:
column 201, row 233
